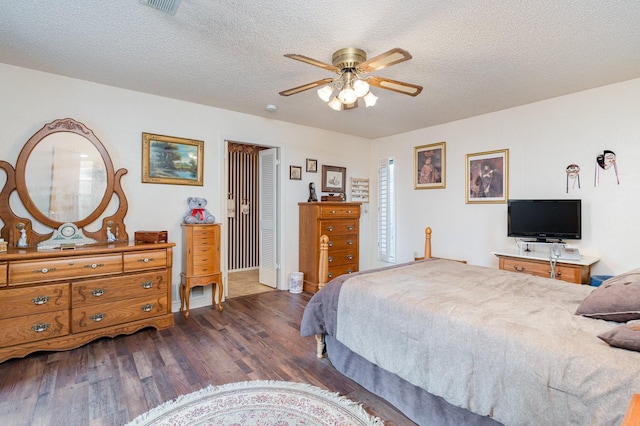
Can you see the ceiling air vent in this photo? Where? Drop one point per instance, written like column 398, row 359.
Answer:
column 167, row 6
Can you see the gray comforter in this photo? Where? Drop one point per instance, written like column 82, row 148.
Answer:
column 499, row 344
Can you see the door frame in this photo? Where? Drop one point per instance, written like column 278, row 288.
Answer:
column 224, row 179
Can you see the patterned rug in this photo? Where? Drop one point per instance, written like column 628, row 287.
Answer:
column 261, row 403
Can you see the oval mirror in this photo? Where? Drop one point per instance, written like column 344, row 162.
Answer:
column 63, row 174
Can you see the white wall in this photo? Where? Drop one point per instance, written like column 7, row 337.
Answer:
column 542, row 138
column 118, row 117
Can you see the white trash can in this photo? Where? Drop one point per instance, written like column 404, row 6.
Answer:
column 295, row 282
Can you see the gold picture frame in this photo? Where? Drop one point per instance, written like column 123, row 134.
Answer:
column 487, row 177
column 429, row 166
column 172, row 160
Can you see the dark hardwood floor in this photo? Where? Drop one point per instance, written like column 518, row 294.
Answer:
column 111, row 381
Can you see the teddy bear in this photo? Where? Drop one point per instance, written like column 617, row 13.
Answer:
column 197, row 212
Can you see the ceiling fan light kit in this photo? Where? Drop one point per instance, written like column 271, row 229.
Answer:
column 352, row 83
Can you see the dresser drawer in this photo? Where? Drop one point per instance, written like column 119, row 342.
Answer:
column 341, row 257
column 68, row 268
column 92, row 317
column 3, row 274
column 333, row 211
column 564, row 272
column 337, row 270
column 204, row 235
column 33, row 300
column 30, row 328
column 106, row 290
column 337, row 227
column 139, row 261
column 343, row 242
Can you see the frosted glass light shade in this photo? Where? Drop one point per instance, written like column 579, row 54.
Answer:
column 370, row 99
column 347, row 96
column 325, row 93
column 335, row 104
column 361, row 88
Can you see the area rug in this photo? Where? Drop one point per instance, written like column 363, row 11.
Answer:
column 264, row 403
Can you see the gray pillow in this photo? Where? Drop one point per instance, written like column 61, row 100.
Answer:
column 617, row 299
column 626, row 337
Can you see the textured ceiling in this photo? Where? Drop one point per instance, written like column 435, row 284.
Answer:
column 471, row 56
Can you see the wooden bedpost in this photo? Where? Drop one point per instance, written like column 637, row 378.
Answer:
column 323, row 267
column 427, row 243
column 632, row 417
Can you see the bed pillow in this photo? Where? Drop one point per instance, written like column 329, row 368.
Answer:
column 626, row 336
column 617, row 299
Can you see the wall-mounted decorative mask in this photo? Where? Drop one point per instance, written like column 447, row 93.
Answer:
column 573, row 175
column 606, row 161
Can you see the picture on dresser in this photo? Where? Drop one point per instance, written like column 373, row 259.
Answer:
column 333, row 179
column 172, row 160
column 487, row 177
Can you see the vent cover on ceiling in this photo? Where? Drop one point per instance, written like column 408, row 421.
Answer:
column 167, row 6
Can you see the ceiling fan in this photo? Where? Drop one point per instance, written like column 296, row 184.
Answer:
column 352, row 82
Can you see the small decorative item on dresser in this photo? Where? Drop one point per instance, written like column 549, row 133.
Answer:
column 3, row 245
column 150, row 237
column 331, row 197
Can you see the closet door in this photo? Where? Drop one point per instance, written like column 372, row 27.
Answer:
column 267, row 166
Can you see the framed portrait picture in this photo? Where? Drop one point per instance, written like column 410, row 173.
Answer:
column 295, row 172
column 487, row 177
column 312, row 165
column 429, row 166
column 333, row 179
column 172, row 160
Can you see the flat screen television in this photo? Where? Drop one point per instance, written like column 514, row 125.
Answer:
column 544, row 220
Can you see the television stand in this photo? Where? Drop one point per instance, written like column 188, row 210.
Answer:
column 537, row 263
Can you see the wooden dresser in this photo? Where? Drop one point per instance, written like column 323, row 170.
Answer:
column 537, row 263
column 200, row 262
column 340, row 222
column 61, row 299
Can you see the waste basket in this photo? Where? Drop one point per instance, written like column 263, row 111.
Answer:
column 295, row 282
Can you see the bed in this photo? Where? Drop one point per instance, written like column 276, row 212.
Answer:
column 455, row 344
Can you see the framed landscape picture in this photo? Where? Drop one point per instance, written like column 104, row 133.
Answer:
column 429, row 166
column 172, row 160
column 487, row 177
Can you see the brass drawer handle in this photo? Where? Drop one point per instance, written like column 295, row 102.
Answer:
column 147, row 308
column 98, row 317
column 40, row 300
column 349, row 211
column 40, row 327
column 349, row 271
column 44, row 270
column 330, row 274
column 146, row 260
column 558, row 273
column 98, row 292
column 349, row 256
column 330, row 243
column 333, row 212
column 94, row 265
column 147, row 284
column 350, row 227
column 330, row 259
column 350, row 242
column 520, row 269
column 330, row 228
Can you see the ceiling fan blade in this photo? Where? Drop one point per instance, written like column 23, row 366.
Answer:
column 306, row 87
column 385, row 59
column 396, row 86
column 312, row 61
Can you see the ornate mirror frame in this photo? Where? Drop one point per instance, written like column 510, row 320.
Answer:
column 113, row 228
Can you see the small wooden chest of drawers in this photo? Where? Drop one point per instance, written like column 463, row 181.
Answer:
column 340, row 221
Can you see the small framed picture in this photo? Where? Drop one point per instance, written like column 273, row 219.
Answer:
column 312, row 165
column 295, row 172
column 333, row 179
column 487, row 177
column 429, row 166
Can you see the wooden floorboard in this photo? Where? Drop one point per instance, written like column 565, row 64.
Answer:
column 112, row 380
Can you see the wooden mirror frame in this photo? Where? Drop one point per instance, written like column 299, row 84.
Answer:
column 16, row 181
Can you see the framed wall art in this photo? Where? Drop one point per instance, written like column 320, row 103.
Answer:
column 312, row 165
column 487, row 177
column 172, row 160
column 429, row 166
column 333, row 179
column 295, row 172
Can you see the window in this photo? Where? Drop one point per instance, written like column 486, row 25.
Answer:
column 386, row 212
